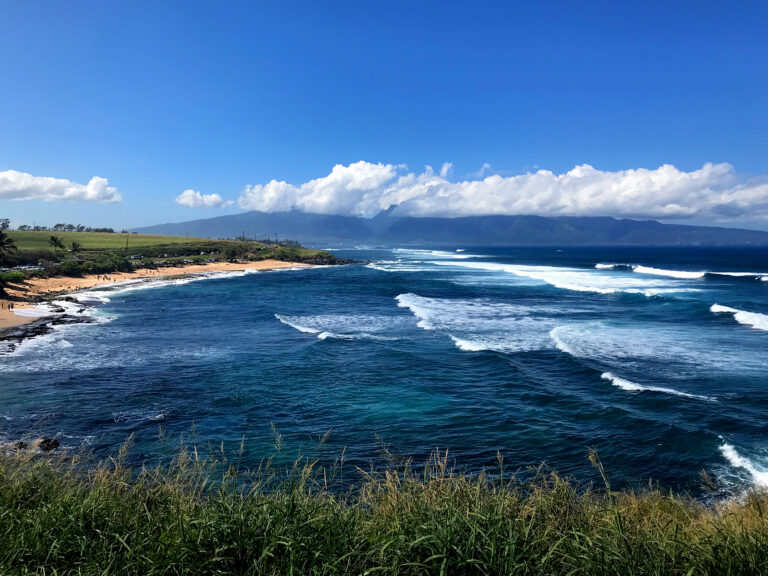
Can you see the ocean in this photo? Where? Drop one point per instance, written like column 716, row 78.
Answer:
column 656, row 357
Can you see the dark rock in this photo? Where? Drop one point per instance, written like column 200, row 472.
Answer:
column 11, row 337
column 327, row 261
column 48, row 444
column 20, row 445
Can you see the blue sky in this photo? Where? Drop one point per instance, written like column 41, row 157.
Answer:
column 222, row 98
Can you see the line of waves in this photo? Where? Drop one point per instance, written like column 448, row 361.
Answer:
column 419, row 253
column 634, row 387
column 679, row 274
column 398, row 266
column 85, row 303
column 751, row 319
column 577, row 279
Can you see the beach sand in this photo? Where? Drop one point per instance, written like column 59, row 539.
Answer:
column 36, row 288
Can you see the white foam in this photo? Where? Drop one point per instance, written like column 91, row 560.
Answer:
column 343, row 327
column 398, row 266
column 296, row 326
column 681, row 274
column 634, row 387
column 53, row 339
column 678, row 274
column 457, row 255
column 751, row 319
column 415, row 304
column 577, row 279
column 759, row 474
column 659, row 349
column 478, row 324
column 492, row 343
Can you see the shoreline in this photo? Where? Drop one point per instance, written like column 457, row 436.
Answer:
column 37, row 290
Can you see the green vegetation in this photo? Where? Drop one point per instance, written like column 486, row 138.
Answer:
column 13, row 277
column 29, row 240
column 7, row 246
column 192, row 518
column 102, row 253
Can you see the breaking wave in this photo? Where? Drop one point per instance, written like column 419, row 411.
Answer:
column 342, row 327
column 677, row 274
column 751, row 319
column 577, row 279
column 681, row 274
column 758, row 473
column 634, row 387
column 477, row 324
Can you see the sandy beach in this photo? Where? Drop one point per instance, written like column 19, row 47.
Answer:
column 36, row 288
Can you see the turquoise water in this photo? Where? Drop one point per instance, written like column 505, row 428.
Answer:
column 540, row 354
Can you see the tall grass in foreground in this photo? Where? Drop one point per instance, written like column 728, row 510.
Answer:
column 190, row 518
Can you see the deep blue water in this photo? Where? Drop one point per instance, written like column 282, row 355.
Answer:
column 535, row 353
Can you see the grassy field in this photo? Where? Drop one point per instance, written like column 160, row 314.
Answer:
column 28, row 240
column 190, row 518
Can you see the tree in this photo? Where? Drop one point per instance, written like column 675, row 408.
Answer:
column 76, row 246
column 7, row 245
column 55, row 242
column 5, row 223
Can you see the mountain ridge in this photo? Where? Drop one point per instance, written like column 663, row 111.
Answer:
column 530, row 230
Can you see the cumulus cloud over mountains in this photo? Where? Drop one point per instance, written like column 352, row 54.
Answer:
column 194, row 199
column 15, row 185
column 364, row 189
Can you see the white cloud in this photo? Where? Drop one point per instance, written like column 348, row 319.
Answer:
column 194, row 199
column 15, row 185
column 354, row 189
column 364, row 189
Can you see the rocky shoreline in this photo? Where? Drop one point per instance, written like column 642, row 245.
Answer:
column 11, row 338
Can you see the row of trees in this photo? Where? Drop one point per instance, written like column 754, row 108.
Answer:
column 65, row 228
column 5, row 224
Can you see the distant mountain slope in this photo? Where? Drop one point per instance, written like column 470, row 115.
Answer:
column 306, row 228
column 313, row 229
